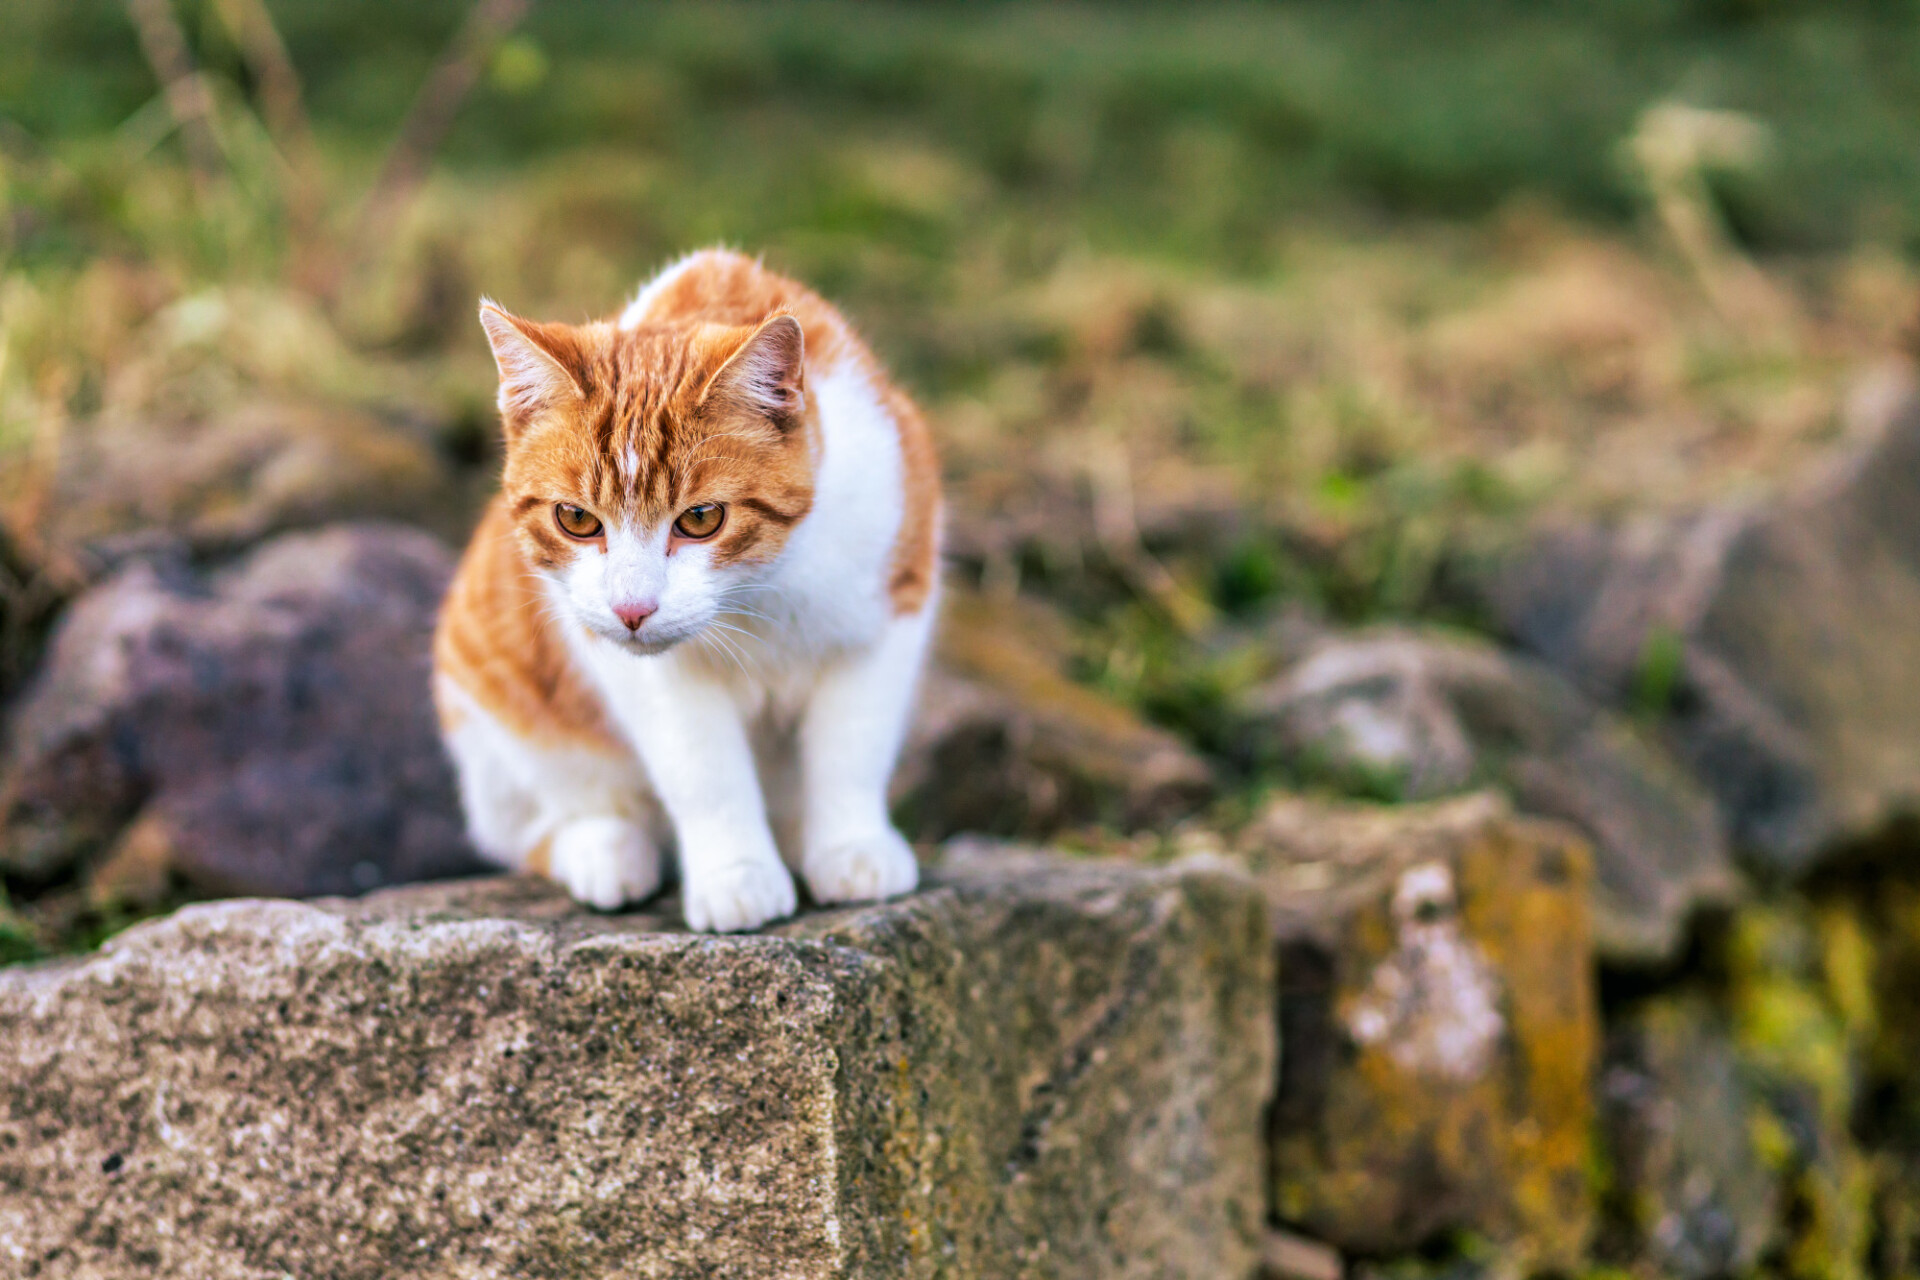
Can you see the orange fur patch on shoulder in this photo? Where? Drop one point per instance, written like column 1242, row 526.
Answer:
column 916, row 548
column 718, row 286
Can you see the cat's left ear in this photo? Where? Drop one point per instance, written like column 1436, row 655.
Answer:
column 767, row 373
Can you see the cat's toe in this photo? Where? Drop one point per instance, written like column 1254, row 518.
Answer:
column 739, row 895
column 605, row 862
column 879, row 864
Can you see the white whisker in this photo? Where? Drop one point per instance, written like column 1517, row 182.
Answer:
column 726, row 646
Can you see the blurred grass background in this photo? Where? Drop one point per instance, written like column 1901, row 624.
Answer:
column 1213, row 304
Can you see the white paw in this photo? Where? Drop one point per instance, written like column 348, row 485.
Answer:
column 605, row 862
column 878, row 864
column 726, row 895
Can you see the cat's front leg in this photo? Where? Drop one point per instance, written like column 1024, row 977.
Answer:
column 850, row 736
column 692, row 740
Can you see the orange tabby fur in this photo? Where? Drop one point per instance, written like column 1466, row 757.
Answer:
column 722, row 387
column 496, row 639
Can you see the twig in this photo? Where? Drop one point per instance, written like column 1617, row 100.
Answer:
column 165, row 46
column 281, row 109
column 252, row 29
column 432, row 114
column 1116, row 527
column 1675, row 145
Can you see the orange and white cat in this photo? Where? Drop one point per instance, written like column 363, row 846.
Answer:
column 698, row 607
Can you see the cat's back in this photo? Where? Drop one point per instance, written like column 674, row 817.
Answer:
column 720, row 286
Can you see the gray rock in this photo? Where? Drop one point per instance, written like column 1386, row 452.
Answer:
column 1426, row 714
column 265, row 730
column 228, row 475
column 1780, row 640
column 1035, row 1067
column 1439, row 1024
column 1679, row 1108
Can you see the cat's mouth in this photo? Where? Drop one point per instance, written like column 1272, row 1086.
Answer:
column 647, row 644
column 649, row 639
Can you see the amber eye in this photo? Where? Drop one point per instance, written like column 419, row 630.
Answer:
column 576, row 522
column 702, row 521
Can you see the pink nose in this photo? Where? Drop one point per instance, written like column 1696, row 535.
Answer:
column 635, row 614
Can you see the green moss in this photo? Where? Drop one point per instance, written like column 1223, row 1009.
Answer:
column 1849, row 959
column 1804, row 1011
column 1786, row 1017
column 1656, row 675
column 1403, row 1149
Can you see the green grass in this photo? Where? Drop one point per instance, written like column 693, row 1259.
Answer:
column 1186, row 131
column 1285, row 249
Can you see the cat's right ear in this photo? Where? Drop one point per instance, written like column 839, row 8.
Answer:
column 541, row 365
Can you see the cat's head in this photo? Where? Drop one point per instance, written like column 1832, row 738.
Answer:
column 652, row 472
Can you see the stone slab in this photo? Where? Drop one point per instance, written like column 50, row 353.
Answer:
column 1034, row 1067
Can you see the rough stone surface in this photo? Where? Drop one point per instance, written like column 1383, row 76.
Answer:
column 1035, row 1067
column 1781, row 638
column 1734, row 1110
column 1427, row 714
column 1004, row 743
column 1678, row 1105
column 266, row 729
column 1439, row 1025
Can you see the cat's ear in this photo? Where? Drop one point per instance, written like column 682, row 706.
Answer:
column 766, row 375
column 540, row 364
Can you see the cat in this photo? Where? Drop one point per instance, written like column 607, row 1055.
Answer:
column 698, row 606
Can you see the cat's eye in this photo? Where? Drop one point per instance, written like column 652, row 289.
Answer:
column 700, row 521
column 576, row 522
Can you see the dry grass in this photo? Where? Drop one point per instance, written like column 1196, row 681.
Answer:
column 1184, row 354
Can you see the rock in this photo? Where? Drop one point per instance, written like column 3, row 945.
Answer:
column 1034, row 1067
column 267, row 729
column 1779, row 639
column 221, row 417
column 1801, row 1012
column 1287, row 1256
column 1421, row 714
column 231, row 477
column 1438, row 1018
column 1731, row 1112
column 1696, row 1194
column 1006, row 744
